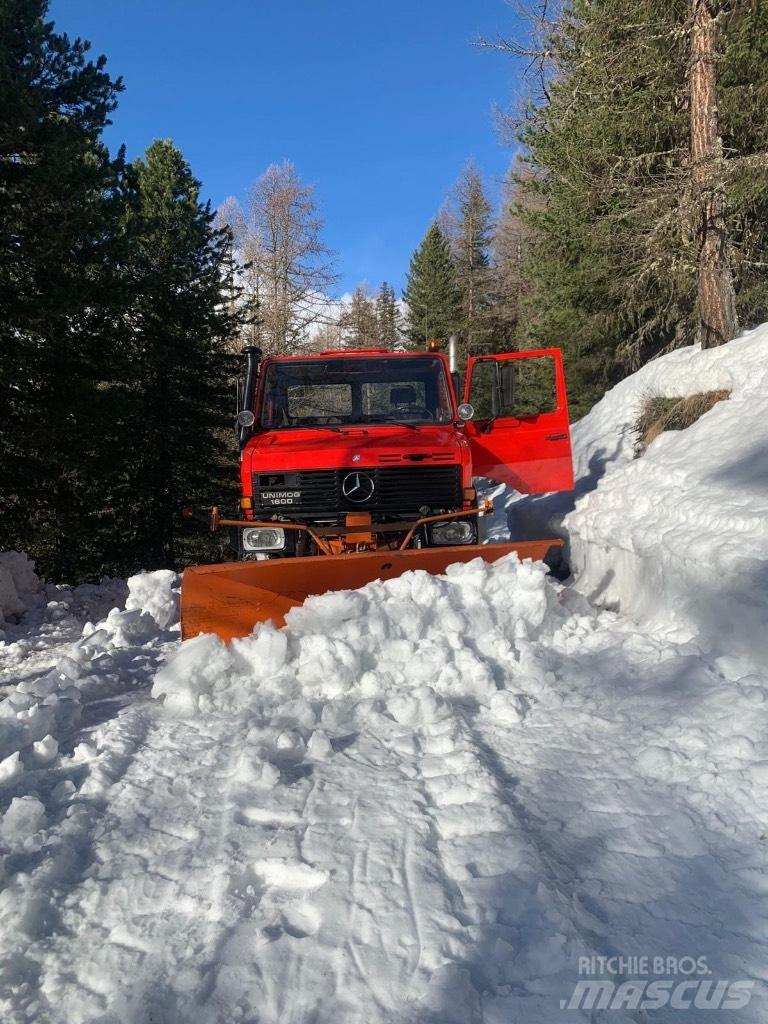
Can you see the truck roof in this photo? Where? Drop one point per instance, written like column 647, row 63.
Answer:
column 347, row 353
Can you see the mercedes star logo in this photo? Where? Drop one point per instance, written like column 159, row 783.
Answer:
column 357, row 487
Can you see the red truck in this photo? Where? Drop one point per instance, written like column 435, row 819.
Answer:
column 360, row 464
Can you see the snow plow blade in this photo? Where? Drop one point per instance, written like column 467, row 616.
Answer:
column 230, row 599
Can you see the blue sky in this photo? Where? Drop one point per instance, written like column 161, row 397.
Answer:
column 377, row 104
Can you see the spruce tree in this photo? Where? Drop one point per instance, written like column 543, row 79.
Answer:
column 358, row 321
column 388, row 317
column 178, row 448
column 60, row 293
column 431, row 291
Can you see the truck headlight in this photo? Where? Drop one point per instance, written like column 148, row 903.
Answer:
column 457, row 531
column 263, row 538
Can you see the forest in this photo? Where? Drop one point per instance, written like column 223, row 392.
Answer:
column 632, row 221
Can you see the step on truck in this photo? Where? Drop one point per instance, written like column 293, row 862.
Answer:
column 357, row 465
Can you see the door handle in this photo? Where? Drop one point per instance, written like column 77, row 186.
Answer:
column 556, row 437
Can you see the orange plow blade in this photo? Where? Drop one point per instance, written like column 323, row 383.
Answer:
column 230, row 599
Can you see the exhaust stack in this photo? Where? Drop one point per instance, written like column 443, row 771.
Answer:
column 253, row 356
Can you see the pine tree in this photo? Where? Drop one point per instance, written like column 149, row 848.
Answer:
column 609, row 276
column 60, row 293
column 431, row 292
column 358, row 321
column 742, row 94
column 388, row 317
column 181, row 330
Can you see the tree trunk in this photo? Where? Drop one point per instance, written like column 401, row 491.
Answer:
column 717, row 301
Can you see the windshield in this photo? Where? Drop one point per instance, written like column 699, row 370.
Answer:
column 334, row 392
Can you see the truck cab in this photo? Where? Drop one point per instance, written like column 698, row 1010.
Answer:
column 370, row 449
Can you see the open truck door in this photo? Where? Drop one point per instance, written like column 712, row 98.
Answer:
column 519, row 433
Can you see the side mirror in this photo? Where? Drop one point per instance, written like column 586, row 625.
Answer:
column 245, row 418
column 466, row 411
column 508, row 373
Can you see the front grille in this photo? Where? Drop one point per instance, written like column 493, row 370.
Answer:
column 401, row 489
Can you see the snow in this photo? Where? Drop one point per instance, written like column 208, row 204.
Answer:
column 399, row 636
column 678, row 538
column 19, row 585
column 429, row 801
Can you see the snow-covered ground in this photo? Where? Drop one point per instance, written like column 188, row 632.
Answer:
column 431, row 801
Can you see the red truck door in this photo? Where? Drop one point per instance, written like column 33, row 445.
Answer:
column 519, row 433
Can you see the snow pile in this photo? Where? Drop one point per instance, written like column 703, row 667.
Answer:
column 46, row 703
column 19, row 585
column 152, row 606
column 678, row 538
column 461, row 634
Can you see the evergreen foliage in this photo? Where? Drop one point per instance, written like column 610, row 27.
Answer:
column 60, row 291
column 607, row 192
column 432, row 293
column 359, row 321
column 117, row 298
column 388, row 317
column 179, row 335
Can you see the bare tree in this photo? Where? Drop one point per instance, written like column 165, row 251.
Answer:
column 247, row 252
column 327, row 337
column 294, row 266
column 510, row 246
column 288, row 270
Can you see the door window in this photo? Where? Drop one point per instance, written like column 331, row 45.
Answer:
column 513, row 388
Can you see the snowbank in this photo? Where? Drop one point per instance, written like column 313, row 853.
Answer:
column 45, row 703
column 678, row 538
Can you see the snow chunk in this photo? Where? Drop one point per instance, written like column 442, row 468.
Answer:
column 24, row 817
column 200, row 666
column 45, row 751
column 156, row 594
column 152, row 606
column 284, row 874
column 10, row 769
column 19, row 584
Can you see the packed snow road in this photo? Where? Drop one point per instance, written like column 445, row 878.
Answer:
column 434, row 800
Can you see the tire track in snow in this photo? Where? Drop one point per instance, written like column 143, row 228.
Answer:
column 471, row 804
column 145, row 856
